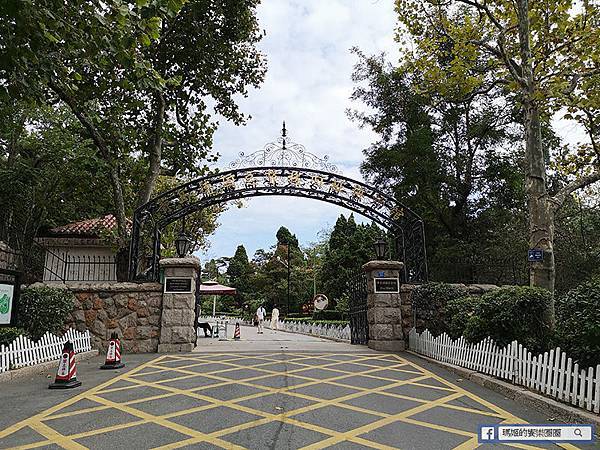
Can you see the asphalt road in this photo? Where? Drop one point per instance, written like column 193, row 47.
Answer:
column 263, row 399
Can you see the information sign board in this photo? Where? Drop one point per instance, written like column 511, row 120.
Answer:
column 178, row 285
column 387, row 285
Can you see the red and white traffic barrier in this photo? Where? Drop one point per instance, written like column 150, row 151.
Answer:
column 66, row 374
column 113, row 354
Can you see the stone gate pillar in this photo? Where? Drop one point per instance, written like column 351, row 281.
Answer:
column 383, row 305
column 177, row 331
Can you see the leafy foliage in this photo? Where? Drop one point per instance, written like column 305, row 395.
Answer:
column 444, row 156
column 429, row 301
column 350, row 245
column 512, row 313
column 541, row 60
column 9, row 334
column 43, row 309
column 458, row 312
column 328, row 314
column 138, row 77
column 578, row 322
column 239, row 272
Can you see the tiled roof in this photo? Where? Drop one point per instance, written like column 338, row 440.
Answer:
column 89, row 227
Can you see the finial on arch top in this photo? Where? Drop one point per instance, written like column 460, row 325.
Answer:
column 284, row 153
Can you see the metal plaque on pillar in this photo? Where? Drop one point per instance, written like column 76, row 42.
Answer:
column 178, row 285
column 388, row 285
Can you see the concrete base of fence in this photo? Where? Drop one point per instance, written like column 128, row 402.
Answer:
column 386, row 346
column 29, row 371
column 561, row 412
column 173, row 348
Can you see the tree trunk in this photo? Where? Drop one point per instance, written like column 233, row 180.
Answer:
column 155, row 152
column 541, row 214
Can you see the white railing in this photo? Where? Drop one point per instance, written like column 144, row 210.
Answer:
column 314, row 329
column 551, row 373
column 326, row 330
column 24, row 352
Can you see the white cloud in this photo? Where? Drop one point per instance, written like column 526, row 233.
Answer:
column 308, row 85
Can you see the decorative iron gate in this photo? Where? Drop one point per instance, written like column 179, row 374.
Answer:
column 359, row 326
column 281, row 168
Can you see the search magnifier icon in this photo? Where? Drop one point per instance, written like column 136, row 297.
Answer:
column 577, row 432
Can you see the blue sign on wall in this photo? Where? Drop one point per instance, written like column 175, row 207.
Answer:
column 535, row 255
column 381, row 274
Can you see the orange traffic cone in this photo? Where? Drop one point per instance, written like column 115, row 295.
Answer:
column 113, row 354
column 236, row 334
column 66, row 375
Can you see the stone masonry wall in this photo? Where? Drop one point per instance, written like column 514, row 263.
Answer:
column 131, row 310
column 406, row 301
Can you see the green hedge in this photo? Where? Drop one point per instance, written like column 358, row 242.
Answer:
column 328, row 314
column 457, row 313
column 509, row 313
column 578, row 323
column 429, row 303
column 9, row 334
column 43, row 309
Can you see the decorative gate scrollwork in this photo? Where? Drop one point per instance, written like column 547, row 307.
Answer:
column 301, row 176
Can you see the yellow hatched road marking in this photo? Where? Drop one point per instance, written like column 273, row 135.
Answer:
column 36, row 418
column 158, row 365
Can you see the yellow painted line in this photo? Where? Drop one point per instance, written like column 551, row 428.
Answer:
column 160, row 421
column 55, row 436
column 380, row 423
column 33, row 419
column 439, row 388
column 265, row 417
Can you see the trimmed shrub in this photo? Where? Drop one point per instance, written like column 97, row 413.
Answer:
column 9, row 334
column 429, row 301
column 458, row 311
column 43, row 309
column 328, row 314
column 509, row 313
column 578, row 323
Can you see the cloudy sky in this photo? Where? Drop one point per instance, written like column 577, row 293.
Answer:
column 308, row 85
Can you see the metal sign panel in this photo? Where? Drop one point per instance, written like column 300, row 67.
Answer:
column 178, row 285
column 7, row 294
column 387, row 285
column 320, row 301
column 535, row 255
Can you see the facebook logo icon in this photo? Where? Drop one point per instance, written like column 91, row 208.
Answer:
column 487, row 434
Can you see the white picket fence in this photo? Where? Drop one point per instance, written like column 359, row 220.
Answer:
column 24, row 352
column 326, row 330
column 551, row 373
column 321, row 330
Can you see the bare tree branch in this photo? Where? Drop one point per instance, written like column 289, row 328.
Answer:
column 559, row 199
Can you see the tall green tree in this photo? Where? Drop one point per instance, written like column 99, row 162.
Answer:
column 138, row 76
column 545, row 55
column 441, row 152
column 239, row 272
column 350, row 246
column 49, row 175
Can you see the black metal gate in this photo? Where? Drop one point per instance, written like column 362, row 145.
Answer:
column 359, row 326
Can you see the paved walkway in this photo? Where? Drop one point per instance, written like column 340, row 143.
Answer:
column 271, row 399
column 270, row 340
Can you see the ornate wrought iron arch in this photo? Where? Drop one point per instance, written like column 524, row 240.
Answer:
column 301, row 176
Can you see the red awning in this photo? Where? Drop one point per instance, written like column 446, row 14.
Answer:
column 214, row 288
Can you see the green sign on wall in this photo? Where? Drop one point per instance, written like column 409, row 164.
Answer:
column 7, row 292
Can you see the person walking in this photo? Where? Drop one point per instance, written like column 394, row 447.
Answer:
column 261, row 313
column 275, row 319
